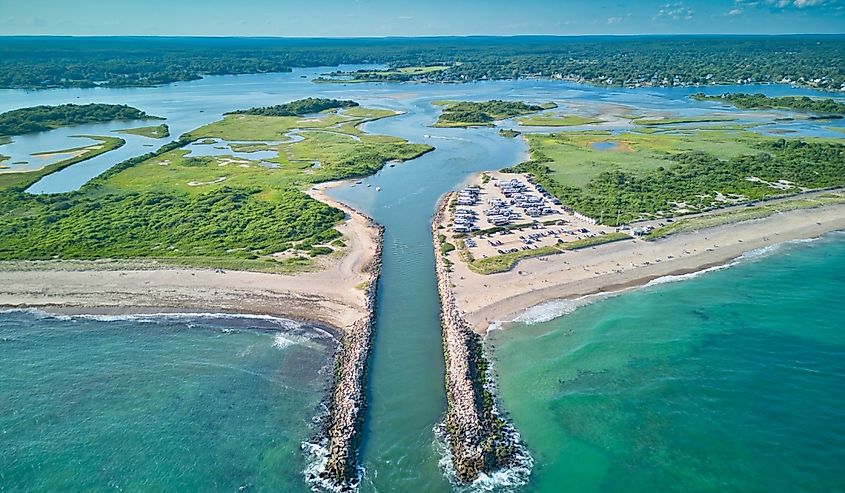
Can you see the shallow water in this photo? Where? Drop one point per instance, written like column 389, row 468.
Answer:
column 406, row 397
column 731, row 381
column 156, row 404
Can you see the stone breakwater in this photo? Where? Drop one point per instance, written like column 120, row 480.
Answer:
column 340, row 437
column 479, row 439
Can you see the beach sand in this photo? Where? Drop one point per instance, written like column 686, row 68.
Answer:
column 332, row 297
column 616, row 266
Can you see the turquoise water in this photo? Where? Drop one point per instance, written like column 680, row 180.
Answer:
column 157, row 404
column 732, row 381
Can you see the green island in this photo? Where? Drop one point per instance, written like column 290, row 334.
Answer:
column 633, row 176
column 41, row 118
column 298, row 108
column 552, row 120
column 480, row 114
column 396, row 74
column 509, row 133
column 152, row 132
column 823, row 107
column 218, row 211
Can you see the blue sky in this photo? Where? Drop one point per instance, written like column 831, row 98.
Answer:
column 417, row 18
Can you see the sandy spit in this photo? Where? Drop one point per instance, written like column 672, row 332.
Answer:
column 330, row 297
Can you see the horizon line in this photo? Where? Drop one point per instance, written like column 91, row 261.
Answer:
column 421, row 36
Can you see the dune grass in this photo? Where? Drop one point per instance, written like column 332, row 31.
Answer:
column 744, row 214
column 507, row 261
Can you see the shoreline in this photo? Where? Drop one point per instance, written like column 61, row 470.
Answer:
column 339, row 299
column 615, row 267
column 480, row 441
column 331, row 297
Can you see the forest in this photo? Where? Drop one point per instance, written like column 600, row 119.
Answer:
column 812, row 61
column 298, row 108
column 822, row 107
column 41, row 118
column 620, row 196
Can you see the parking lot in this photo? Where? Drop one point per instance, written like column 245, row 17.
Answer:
column 532, row 218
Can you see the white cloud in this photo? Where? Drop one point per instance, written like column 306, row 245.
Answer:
column 614, row 20
column 675, row 11
column 734, row 12
column 782, row 4
column 808, row 3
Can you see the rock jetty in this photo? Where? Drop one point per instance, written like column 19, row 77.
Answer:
column 340, row 436
column 480, row 440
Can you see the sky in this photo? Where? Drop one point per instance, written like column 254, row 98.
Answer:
column 353, row 18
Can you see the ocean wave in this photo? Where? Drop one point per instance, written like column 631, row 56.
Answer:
column 283, row 324
column 317, row 456
column 553, row 309
column 690, row 275
column 281, row 342
column 504, row 480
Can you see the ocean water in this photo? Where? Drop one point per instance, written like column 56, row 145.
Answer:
column 731, row 381
column 156, row 404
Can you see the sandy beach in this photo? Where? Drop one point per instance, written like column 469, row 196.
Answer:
column 616, row 266
column 331, row 297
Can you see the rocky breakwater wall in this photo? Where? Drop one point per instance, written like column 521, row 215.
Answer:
column 479, row 439
column 340, row 438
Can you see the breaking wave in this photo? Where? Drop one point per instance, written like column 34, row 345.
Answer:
column 269, row 322
column 505, row 480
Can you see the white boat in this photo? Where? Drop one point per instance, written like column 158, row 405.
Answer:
column 378, row 189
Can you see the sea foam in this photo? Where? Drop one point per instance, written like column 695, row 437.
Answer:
column 553, row 309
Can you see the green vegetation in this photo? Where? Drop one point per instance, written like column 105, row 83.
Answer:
column 397, row 74
column 506, row 132
column 812, row 61
column 472, row 114
column 153, row 132
column 41, row 118
column 507, row 261
column 659, row 175
column 16, row 182
column 551, row 120
column 744, row 214
column 298, row 108
column 826, row 107
column 215, row 211
column 445, row 246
